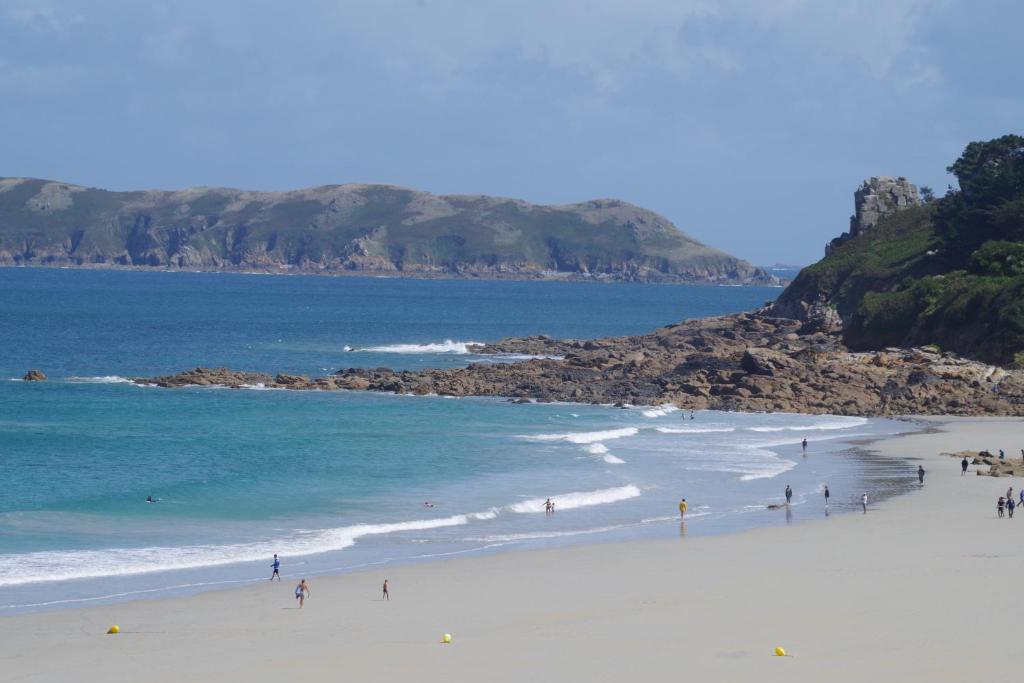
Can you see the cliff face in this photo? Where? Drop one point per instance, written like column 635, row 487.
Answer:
column 369, row 229
column 949, row 273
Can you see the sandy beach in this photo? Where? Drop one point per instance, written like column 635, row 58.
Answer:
column 917, row 589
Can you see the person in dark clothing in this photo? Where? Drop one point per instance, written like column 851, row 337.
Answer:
column 963, row 466
column 920, row 473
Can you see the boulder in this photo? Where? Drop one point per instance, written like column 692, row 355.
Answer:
column 760, row 361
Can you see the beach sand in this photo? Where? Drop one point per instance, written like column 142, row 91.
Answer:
column 918, row 589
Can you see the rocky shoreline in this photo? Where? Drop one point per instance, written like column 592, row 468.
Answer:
column 742, row 362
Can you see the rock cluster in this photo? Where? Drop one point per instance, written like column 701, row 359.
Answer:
column 746, row 361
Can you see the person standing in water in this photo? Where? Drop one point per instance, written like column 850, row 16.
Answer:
column 302, row 592
column 682, row 508
column 827, row 495
column 549, row 507
column 805, row 444
column 789, row 494
column 963, row 466
column 920, row 474
column 277, row 568
column 386, row 596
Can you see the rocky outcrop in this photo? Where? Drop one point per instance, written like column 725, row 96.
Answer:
column 34, row 375
column 748, row 361
column 352, row 229
column 874, row 200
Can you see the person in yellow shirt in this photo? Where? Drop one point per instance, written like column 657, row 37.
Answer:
column 682, row 508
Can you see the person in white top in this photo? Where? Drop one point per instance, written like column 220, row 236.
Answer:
column 864, row 502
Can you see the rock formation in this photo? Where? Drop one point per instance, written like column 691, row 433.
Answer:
column 34, row 375
column 747, row 361
column 875, row 199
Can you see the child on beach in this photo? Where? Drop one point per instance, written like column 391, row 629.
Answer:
column 682, row 508
column 277, row 568
column 302, row 592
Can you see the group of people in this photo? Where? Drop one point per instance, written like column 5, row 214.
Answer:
column 1006, row 504
column 549, row 506
column 302, row 590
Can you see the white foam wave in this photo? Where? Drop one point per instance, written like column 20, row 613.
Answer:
column 613, row 460
column 49, row 566
column 579, row 499
column 695, row 430
column 845, row 423
column 106, row 379
column 660, row 411
column 586, row 437
column 447, row 346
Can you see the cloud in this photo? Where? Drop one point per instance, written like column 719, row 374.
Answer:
column 608, row 42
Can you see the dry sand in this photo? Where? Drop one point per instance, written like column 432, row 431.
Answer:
column 921, row 588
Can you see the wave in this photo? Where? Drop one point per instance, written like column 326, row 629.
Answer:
column 660, row 411
column 602, row 450
column 447, row 346
column 106, row 379
column 50, row 566
column 586, row 437
column 579, row 499
column 695, row 430
column 848, row 423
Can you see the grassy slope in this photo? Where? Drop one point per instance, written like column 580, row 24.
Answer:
column 322, row 225
column 891, row 291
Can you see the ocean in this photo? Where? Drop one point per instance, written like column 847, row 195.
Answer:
column 338, row 481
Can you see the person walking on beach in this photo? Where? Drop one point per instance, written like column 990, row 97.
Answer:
column 302, row 592
column 386, row 596
column 827, row 495
column 789, row 494
column 277, row 568
column 1002, row 456
column 805, row 445
column 1009, row 493
column 682, row 508
column 864, row 502
column 963, row 466
column 920, row 473
column 1000, row 504
column 1010, row 505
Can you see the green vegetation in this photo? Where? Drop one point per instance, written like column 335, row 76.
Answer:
column 350, row 228
column 949, row 273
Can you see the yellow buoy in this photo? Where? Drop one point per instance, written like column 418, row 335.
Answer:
column 114, row 629
column 780, row 652
column 446, row 638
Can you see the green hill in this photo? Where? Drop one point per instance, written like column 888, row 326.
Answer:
column 948, row 273
column 369, row 229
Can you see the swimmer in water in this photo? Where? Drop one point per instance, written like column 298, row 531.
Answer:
column 149, row 499
column 428, row 504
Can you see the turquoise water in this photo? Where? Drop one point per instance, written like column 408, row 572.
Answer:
column 339, row 480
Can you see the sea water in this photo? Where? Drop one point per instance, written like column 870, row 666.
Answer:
column 336, row 481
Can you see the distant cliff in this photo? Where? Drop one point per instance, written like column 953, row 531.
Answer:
column 948, row 272
column 368, row 229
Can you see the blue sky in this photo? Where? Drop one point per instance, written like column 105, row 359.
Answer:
column 748, row 123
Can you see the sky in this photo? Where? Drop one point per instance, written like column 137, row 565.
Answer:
column 747, row 123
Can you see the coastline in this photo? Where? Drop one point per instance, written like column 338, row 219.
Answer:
column 554, row 276
column 892, row 584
